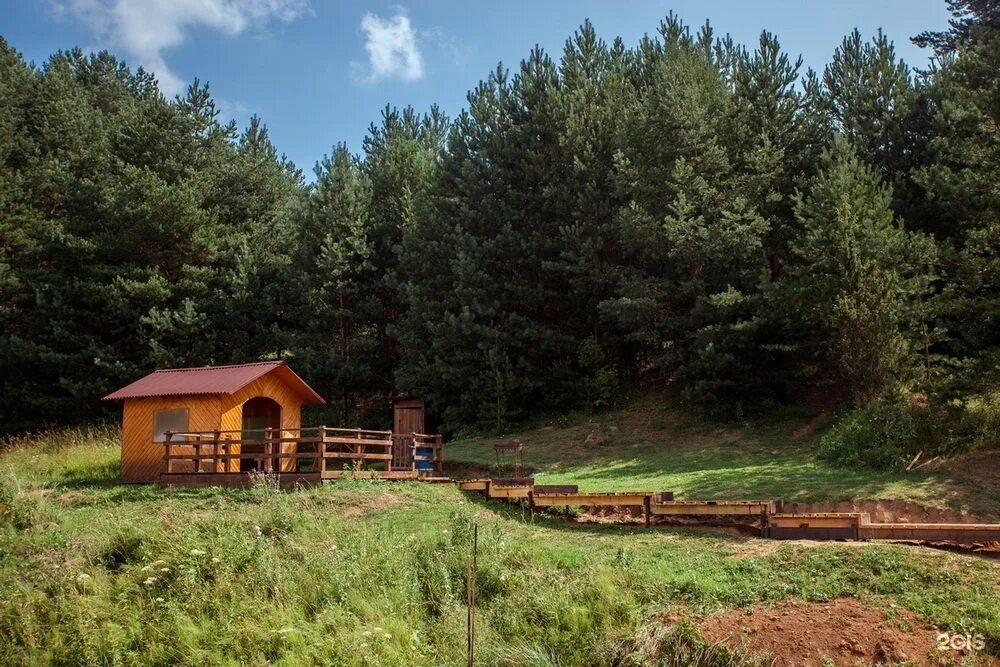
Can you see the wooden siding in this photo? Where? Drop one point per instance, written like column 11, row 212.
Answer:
column 269, row 386
column 408, row 418
column 142, row 459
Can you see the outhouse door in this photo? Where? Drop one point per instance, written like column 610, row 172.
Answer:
column 408, row 418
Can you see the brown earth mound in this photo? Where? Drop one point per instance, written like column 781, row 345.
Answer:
column 841, row 632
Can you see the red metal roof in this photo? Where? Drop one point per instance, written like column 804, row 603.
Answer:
column 211, row 380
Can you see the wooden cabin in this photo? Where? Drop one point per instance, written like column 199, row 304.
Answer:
column 264, row 397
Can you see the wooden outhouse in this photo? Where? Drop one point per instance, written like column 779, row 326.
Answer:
column 257, row 397
column 408, row 417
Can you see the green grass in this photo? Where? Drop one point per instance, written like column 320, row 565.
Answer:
column 655, row 446
column 373, row 573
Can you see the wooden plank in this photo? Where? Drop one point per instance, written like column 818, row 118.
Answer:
column 617, row 499
column 513, row 481
column 473, row 484
column 712, row 507
column 556, row 488
column 250, row 456
column 364, row 456
column 815, row 526
column 233, row 480
column 818, row 520
column 812, row 533
column 960, row 533
column 494, row 491
column 371, row 474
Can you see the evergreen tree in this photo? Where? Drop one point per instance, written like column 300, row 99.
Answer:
column 848, row 283
column 334, row 251
column 962, row 179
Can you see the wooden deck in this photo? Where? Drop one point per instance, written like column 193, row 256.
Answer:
column 294, row 456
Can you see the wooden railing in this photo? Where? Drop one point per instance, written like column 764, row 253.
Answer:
column 435, row 443
column 316, row 448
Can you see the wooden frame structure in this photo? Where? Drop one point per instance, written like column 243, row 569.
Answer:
column 299, row 455
column 425, row 441
column 765, row 515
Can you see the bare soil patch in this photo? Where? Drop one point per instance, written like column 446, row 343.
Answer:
column 807, row 429
column 371, row 504
column 841, row 632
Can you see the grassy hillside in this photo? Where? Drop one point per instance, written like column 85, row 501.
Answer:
column 654, row 445
column 366, row 573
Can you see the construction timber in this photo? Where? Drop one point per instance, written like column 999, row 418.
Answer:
column 765, row 515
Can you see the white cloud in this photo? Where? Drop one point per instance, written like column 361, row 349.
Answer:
column 392, row 49
column 144, row 29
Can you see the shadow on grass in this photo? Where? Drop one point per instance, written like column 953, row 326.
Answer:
column 103, row 476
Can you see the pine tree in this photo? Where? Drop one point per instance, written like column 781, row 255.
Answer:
column 962, row 180
column 847, row 283
column 333, row 257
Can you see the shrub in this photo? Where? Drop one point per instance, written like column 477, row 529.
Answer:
column 886, row 433
column 980, row 420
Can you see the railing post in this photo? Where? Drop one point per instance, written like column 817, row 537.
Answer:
column 321, row 449
column 268, row 449
column 166, row 450
column 215, row 452
column 439, row 453
column 196, row 458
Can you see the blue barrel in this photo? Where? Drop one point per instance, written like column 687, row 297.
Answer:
column 424, row 452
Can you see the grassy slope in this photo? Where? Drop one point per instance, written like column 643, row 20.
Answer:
column 373, row 573
column 655, row 446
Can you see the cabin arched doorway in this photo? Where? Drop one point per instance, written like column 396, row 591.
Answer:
column 261, row 433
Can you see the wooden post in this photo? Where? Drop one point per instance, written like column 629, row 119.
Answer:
column 359, row 449
column 166, row 449
column 647, row 510
column 471, row 597
column 197, row 451
column 215, row 452
column 321, row 448
column 268, row 450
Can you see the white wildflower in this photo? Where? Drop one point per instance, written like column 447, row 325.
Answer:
column 159, row 599
column 367, row 633
column 164, row 569
column 147, row 568
column 377, row 630
column 215, row 560
column 197, row 552
column 150, row 581
column 82, row 577
column 258, row 531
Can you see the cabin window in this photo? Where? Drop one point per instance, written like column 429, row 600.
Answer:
column 169, row 420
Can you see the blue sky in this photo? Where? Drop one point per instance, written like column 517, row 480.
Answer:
column 320, row 72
